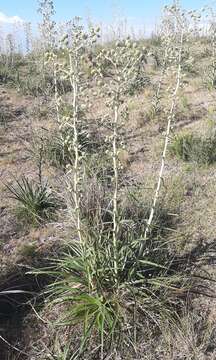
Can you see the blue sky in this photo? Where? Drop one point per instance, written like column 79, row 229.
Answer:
column 137, row 11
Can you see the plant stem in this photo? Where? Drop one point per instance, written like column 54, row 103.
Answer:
column 74, row 84
column 156, row 99
column 115, row 194
column 56, row 92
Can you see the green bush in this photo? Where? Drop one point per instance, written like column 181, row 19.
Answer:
column 8, row 71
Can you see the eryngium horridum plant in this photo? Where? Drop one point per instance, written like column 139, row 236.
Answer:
column 101, row 280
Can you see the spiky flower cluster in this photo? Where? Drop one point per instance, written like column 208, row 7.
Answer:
column 123, row 62
column 47, row 27
column 68, row 66
column 28, row 36
column 174, row 34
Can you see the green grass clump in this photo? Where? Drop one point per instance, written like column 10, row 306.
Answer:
column 36, row 201
column 191, row 148
column 147, row 286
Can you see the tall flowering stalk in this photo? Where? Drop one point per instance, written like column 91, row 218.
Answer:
column 122, row 63
column 67, row 64
column 177, row 24
column 52, row 59
column 73, row 71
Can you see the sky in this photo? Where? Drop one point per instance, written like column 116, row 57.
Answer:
column 136, row 11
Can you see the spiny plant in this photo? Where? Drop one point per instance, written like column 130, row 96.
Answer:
column 166, row 49
column 28, row 36
column 58, row 149
column 150, row 292
column 182, row 146
column 73, row 50
column 110, row 272
column 10, row 43
column 114, row 271
column 6, row 76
